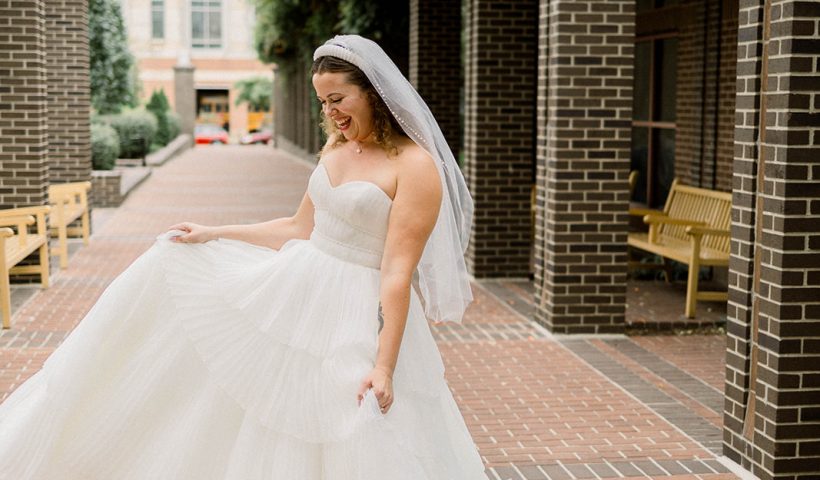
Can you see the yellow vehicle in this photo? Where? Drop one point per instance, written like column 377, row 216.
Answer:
column 213, row 109
column 257, row 119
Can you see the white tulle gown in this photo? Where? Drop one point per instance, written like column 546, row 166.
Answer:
column 225, row 360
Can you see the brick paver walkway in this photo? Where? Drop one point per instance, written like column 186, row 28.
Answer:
column 539, row 407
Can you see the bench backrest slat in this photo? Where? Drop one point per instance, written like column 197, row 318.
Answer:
column 711, row 207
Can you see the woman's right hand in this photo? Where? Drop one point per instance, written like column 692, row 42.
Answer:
column 193, row 233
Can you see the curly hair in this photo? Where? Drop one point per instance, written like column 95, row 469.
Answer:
column 384, row 124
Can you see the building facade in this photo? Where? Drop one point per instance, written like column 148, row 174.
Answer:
column 215, row 36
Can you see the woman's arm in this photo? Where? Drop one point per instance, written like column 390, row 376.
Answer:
column 271, row 234
column 412, row 218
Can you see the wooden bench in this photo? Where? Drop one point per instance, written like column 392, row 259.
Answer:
column 69, row 202
column 693, row 228
column 17, row 244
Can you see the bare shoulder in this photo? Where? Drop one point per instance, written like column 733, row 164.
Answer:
column 418, row 167
column 328, row 147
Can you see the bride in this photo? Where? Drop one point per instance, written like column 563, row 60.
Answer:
column 294, row 349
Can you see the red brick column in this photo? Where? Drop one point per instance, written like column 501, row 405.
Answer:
column 584, row 112
column 435, row 62
column 499, row 136
column 69, row 91
column 773, row 359
column 23, row 104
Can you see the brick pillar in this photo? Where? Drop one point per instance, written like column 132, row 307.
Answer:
column 584, row 112
column 773, row 359
column 69, row 91
column 23, row 104
column 435, row 62
column 499, row 136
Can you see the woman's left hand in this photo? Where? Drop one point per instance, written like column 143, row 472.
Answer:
column 381, row 381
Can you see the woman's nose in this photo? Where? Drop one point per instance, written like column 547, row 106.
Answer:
column 327, row 109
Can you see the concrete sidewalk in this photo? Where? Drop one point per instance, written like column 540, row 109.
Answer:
column 538, row 406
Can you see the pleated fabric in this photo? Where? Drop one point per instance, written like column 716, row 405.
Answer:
column 225, row 360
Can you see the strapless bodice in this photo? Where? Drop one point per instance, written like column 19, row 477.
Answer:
column 350, row 219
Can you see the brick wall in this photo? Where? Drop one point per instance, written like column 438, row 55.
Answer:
column 707, row 43
column 106, row 189
column 435, row 62
column 23, row 109
column 69, row 94
column 773, row 359
column 499, row 136
column 584, row 130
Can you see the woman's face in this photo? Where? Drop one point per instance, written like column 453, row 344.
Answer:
column 345, row 104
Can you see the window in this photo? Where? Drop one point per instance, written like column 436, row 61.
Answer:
column 653, row 119
column 158, row 19
column 654, row 100
column 206, row 23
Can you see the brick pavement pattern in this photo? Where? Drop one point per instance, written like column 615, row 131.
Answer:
column 538, row 406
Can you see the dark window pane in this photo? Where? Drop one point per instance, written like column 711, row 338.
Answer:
column 640, row 105
column 639, row 151
column 663, row 163
column 644, row 5
column 665, row 3
column 666, row 64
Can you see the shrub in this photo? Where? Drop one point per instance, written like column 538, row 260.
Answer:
column 105, row 146
column 158, row 105
column 136, row 129
column 174, row 125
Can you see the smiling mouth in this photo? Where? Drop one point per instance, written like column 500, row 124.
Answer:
column 343, row 125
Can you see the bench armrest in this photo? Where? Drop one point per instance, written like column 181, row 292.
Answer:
column 38, row 211
column 16, row 212
column 660, row 218
column 698, row 231
column 6, row 233
column 19, row 221
column 655, row 220
column 642, row 212
column 73, row 187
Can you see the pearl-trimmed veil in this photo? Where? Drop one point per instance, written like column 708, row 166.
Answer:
column 443, row 281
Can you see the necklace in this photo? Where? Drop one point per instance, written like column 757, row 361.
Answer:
column 358, row 147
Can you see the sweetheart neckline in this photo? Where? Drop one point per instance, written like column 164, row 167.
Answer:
column 332, row 187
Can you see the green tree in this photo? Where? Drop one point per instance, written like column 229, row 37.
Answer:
column 112, row 79
column 256, row 91
column 287, row 31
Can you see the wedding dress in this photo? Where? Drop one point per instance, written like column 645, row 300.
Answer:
column 226, row 360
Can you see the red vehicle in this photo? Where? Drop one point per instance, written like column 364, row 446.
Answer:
column 210, row 135
column 257, row 137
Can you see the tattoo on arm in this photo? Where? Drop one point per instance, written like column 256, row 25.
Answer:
column 381, row 317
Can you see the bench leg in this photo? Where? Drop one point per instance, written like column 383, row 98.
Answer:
column 5, row 298
column 62, row 249
column 86, row 226
column 44, row 270
column 692, row 290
